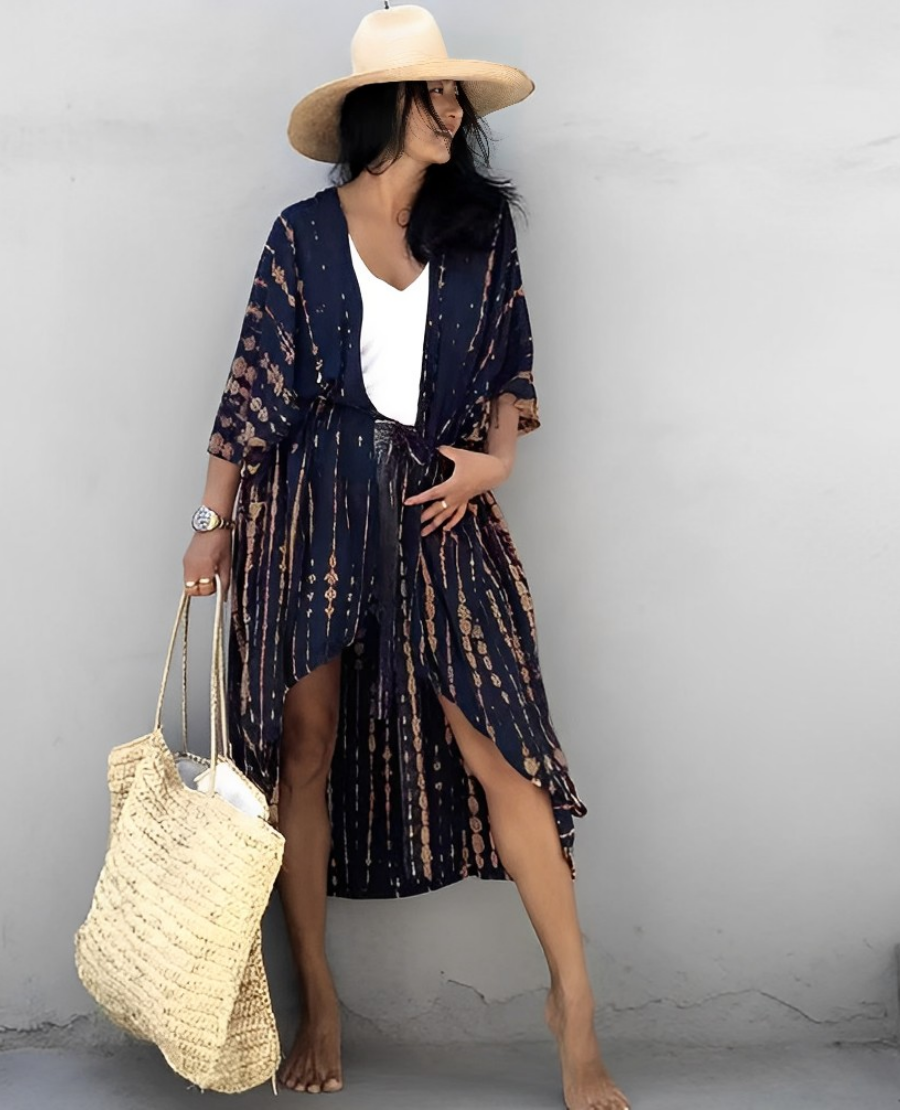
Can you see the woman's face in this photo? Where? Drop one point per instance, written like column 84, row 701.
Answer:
column 421, row 141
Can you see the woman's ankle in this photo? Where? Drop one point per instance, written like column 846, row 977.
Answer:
column 317, row 984
column 573, row 994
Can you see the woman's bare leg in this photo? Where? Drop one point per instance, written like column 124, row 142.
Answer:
column 310, row 729
column 527, row 842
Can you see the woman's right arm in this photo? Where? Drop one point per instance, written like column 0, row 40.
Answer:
column 258, row 404
column 209, row 553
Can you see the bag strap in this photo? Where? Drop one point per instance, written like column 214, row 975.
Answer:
column 184, row 682
column 218, row 709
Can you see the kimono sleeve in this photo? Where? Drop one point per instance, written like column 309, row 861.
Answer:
column 513, row 331
column 259, row 404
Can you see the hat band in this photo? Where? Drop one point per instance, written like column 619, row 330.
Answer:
column 398, row 59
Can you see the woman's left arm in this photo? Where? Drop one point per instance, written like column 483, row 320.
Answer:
column 474, row 472
column 503, row 431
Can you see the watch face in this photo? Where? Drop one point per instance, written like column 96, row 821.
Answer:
column 204, row 519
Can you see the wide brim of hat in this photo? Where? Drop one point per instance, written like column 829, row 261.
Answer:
column 314, row 124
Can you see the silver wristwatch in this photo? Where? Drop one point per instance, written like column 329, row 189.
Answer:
column 206, row 519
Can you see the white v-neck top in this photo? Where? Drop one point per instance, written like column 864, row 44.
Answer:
column 392, row 340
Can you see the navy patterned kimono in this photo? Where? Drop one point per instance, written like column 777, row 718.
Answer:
column 328, row 561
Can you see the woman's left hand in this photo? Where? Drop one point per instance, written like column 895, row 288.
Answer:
column 474, row 472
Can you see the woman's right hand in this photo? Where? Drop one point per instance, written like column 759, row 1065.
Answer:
column 208, row 554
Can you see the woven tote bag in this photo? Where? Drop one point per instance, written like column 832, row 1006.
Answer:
column 171, row 947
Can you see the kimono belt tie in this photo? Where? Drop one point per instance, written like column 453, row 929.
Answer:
column 395, row 445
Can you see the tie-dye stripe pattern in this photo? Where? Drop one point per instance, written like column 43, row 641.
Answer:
column 327, row 560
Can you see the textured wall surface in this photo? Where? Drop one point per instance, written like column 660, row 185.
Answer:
column 708, row 516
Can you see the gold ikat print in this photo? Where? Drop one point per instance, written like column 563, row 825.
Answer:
column 406, row 814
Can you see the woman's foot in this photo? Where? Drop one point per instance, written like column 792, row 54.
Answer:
column 586, row 1082
column 314, row 1062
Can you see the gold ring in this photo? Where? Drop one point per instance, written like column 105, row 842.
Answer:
column 205, row 581
column 189, row 585
column 444, row 503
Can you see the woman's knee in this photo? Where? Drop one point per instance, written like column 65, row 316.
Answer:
column 305, row 761
column 309, row 727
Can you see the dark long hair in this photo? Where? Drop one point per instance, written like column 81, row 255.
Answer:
column 459, row 201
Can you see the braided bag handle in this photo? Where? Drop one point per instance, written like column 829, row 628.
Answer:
column 218, row 710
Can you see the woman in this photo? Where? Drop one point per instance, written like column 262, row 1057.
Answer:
column 385, row 690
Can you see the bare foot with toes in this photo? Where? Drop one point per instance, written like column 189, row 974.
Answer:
column 314, row 1062
column 586, row 1083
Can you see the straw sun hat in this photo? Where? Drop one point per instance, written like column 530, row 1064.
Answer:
column 399, row 44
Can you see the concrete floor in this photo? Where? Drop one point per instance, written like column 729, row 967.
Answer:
column 481, row 1077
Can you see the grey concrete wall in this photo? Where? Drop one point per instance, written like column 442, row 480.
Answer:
column 708, row 517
